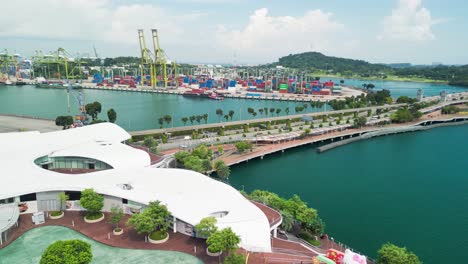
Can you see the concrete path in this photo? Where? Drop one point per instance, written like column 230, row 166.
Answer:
column 15, row 124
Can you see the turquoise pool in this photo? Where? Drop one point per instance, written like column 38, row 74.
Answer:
column 28, row 249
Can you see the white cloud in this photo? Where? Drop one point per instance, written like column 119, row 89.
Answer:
column 95, row 20
column 269, row 37
column 409, row 21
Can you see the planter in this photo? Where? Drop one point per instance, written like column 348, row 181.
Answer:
column 117, row 233
column 158, row 241
column 57, row 216
column 213, row 254
column 95, row 220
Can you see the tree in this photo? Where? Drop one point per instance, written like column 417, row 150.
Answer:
column 184, row 120
column 226, row 117
column 219, row 113
column 116, row 215
column 158, row 214
column 265, row 109
column 220, row 150
column 222, row 169
column 67, row 252
column 149, row 142
column 278, row 111
column 93, row 109
column 64, row 121
column 288, row 221
column 286, row 110
column 360, row 122
column 391, row 254
column 205, row 118
column 63, row 198
column 242, row 146
column 224, row 240
column 206, row 165
column 206, row 227
column 234, row 258
column 161, row 122
column 167, row 119
column 406, row 100
column 272, row 110
column 192, row 118
column 250, row 110
column 260, row 110
column 199, row 118
column 111, row 115
column 231, row 114
column 91, row 201
column 142, row 223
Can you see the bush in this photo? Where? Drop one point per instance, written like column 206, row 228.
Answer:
column 67, row 252
column 154, row 150
column 234, row 259
column 93, row 216
column 242, row 146
column 149, row 142
column 309, row 238
column 158, row 235
column 55, row 213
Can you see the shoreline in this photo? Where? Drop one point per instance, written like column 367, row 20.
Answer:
column 388, row 132
column 349, row 136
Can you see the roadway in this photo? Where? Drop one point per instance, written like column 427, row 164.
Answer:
column 259, row 120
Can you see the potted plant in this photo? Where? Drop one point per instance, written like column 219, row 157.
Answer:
column 62, row 197
column 93, row 203
column 153, row 222
column 114, row 219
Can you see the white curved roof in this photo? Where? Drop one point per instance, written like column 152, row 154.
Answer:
column 189, row 196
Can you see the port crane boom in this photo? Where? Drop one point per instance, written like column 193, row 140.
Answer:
column 79, row 97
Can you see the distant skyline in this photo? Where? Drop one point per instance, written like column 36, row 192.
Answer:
column 241, row 31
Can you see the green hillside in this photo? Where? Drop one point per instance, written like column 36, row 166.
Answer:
column 317, row 61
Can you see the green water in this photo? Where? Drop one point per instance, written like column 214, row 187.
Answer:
column 28, row 249
column 409, row 189
column 135, row 111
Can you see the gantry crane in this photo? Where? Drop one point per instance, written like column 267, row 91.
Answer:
column 155, row 63
column 79, row 97
column 70, row 67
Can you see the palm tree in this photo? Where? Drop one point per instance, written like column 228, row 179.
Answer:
column 265, row 109
column 205, row 117
column 260, row 110
column 184, row 120
column 167, row 119
column 250, row 110
column 226, row 117
column 192, row 118
column 231, row 114
column 272, row 110
column 161, row 122
column 286, row 110
column 278, row 111
column 199, row 118
column 219, row 113
column 254, row 114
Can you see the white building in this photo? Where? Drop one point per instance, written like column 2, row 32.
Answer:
column 37, row 166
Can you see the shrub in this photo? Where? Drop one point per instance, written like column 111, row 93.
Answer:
column 67, row 252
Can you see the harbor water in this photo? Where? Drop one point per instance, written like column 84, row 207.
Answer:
column 408, row 189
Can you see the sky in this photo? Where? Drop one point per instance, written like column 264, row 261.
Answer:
column 242, row 31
